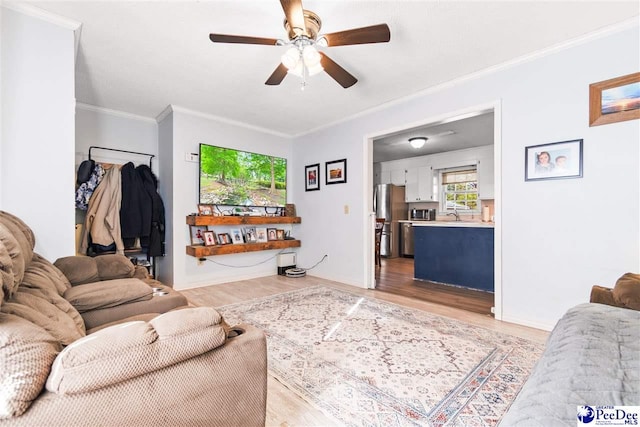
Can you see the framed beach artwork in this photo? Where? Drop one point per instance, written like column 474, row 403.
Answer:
column 558, row 160
column 614, row 100
column 312, row 177
column 336, row 172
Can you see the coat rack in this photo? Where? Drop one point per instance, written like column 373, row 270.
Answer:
column 151, row 156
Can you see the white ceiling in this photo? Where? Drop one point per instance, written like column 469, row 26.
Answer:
column 140, row 57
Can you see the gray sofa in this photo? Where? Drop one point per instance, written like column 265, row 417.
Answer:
column 592, row 357
column 87, row 341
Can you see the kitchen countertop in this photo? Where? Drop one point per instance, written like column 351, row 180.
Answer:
column 450, row 223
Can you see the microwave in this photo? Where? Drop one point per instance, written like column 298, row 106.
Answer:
column 423, row 214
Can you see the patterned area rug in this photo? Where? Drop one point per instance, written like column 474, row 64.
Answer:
column 370, row 363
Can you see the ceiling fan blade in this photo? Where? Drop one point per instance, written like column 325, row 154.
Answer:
column 227, row 38
column 277, row 76
column 336, row 72
column 373, row 34
column 295, row 15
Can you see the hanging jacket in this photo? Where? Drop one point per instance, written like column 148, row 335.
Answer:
column 86, row 189
column 135, row 209
column 102, row 220
column 155, row 242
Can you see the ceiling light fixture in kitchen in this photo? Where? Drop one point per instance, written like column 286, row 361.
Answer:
column 418, row 141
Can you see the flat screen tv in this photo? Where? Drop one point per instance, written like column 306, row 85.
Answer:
column 240, row 178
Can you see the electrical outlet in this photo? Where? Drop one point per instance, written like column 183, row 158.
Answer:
column 346, row 209
column 493, row 310
column 191, row 157
column 201, row 261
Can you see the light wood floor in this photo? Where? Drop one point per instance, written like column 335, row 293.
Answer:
column 396, row 276
column 284, row 407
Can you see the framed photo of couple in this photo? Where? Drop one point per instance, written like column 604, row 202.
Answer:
column 558, row 160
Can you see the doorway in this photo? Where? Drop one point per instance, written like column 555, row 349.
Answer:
column 445, row 133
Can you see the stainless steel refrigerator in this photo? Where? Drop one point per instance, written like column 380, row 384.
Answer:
column 388, row 203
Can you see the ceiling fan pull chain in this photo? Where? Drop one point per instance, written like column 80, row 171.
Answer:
column 304, row 75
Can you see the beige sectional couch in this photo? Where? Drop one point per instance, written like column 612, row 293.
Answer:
column 87, row 341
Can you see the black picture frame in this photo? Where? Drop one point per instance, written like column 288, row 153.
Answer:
column 557, row 160
column 336, row 172
column 312, row 177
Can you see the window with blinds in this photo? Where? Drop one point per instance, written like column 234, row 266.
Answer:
column 460, row 190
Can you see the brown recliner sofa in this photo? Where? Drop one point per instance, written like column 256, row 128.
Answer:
column 87, row 341
column 625, row 293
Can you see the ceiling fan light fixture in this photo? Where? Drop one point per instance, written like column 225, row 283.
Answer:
column 291, row 58
column 418, row 141
column 315, row 69
column 311, row 56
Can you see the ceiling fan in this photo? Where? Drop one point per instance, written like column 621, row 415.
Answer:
column 303, row 58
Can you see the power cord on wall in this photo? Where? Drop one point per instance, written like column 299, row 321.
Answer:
column 262, row 262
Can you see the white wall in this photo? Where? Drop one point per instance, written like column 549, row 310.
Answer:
column 186, row 131
column 555, row 242
column 112, row 129
column 38, row 103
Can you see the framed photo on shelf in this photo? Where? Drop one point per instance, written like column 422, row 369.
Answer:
column 236, row 236
column 272, row 234
column 197, row 234
column 280, row 234
column 558, row 160
column 614, row 100
column 209, row 238
column 261, row 235
column 250, row 235
column 224, row 238
column 312, row 177
column 336, row 172
column 205, row 210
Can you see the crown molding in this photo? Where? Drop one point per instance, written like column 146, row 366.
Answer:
column 121, row 114
column 594, row 35
column 178, row 109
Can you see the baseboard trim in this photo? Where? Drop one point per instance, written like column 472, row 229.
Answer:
column 527, row 322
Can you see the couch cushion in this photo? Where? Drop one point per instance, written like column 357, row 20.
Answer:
column 15, row 231
column 78, row 269
column 12, row 263
column 125, row 351
column 26, row 354
column 627, row 291
column 31, row 305
column 41, row 274
column 106, row 294
column 114, row 266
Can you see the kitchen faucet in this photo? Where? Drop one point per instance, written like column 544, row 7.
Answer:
column 456, row 214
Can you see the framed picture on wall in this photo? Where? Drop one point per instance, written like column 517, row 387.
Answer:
column 197, row 234
column 336, row 172
column 312, row 177
column 558, row 160
column 614, row 100
column 209, row 238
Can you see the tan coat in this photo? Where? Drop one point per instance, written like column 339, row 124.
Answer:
column 103, row 214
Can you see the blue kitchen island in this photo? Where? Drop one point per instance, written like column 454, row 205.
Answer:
column 455, row 253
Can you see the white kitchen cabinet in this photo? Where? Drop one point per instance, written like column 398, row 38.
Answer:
column 397, row 177
column 485, row 178
column 419, row 184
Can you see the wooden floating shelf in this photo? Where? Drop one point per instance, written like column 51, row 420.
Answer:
column 241, row 220
column 200, row 251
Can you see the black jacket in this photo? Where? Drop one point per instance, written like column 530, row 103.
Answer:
column 155, row 242
column 136, row 206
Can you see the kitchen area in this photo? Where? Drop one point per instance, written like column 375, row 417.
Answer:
column 436, row 198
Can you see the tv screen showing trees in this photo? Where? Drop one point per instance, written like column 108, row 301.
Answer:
column 239, row 178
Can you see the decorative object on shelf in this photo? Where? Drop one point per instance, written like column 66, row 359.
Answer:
column 236, row 236
column 290, row 209
column 209, row 238
column 261, row 234
column 311, row 179
column 197, row 234
column 614, row 100
column 205, row 209
column 336, row 172
column 280, row 234
column 224, row 238
column 250, row 235
column 272, row 234
column 558, row 160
